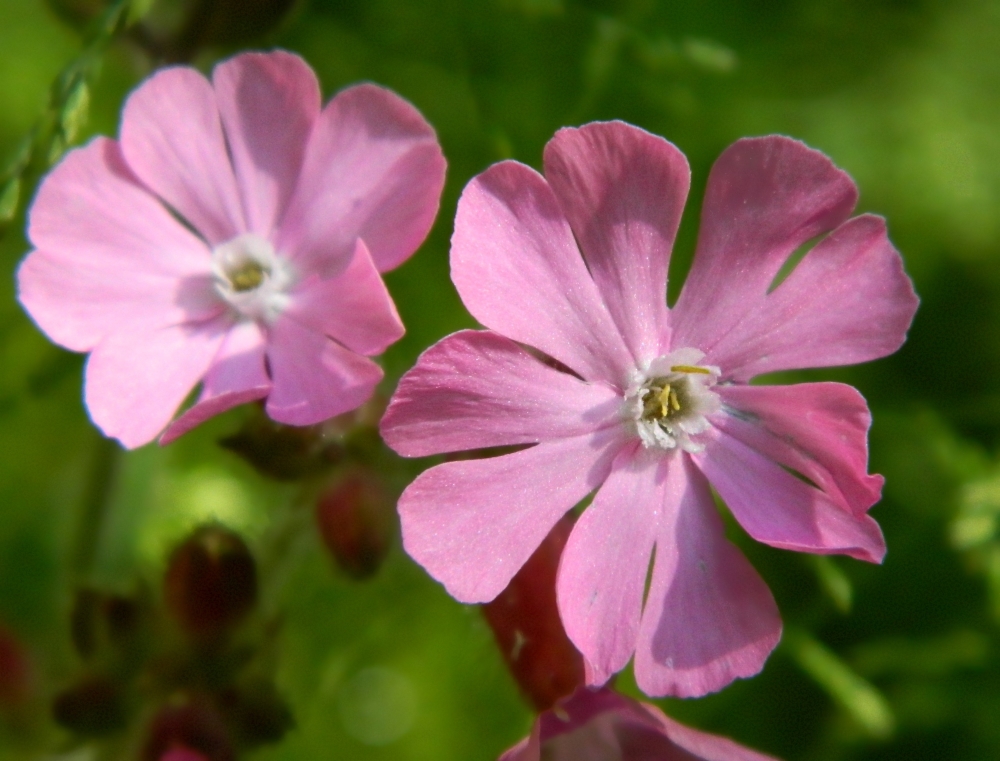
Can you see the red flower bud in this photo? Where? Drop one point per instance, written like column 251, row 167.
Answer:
column 284, row 452
column 525, row 622
column 356, row 518
column 15, row 671
column 188, row 732
column 211, row 582
column 182, row 753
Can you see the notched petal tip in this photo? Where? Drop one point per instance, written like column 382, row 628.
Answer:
column 269, row 103
column 373, row 169
column 765, row 197
column 806, row 161
column 172, row 138
column 709, row 618
column 518, row 269
column 623, row 191
column 378, row 102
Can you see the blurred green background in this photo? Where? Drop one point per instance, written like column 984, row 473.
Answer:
column 891, row 662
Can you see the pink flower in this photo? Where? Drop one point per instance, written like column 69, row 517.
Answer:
column 649, row 405
column 233, row 235
column 606, row 726
column 182, row 753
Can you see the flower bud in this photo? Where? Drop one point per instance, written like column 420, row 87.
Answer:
column 526, row 624
column 100, row 619
column 283, row 452
column 233, row 22
column 15, row 671
column 182, row 753
column 78, row 13
column 189, row 732
column 211, row 582
column 93, row 707
column 356, row 519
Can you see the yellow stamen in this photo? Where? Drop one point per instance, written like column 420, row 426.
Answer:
column 674, row 401
column 247, row 277
column 664, row 399
column 690, row 369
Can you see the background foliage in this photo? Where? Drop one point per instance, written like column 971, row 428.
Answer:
column 891, row 662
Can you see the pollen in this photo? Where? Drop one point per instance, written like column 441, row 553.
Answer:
column 670, row 399
column 252, row 278
column 248, row 276
column 661, row 403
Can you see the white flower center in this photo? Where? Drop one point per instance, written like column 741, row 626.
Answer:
column 670, row 398
column 251, row 277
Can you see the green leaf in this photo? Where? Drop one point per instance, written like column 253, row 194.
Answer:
column 73, row 115
column 710, row 55
column 56, row 148
column 833, row 581
column 10, row 194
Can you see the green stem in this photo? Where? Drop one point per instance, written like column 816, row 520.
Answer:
column 95, row 506
column 57, row 125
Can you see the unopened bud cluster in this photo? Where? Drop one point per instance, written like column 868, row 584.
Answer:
column 189, row 666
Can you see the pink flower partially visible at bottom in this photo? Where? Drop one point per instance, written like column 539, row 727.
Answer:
column 234, row 235
column 182, row 753
column 606, row 726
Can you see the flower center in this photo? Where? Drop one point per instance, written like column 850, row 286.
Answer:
column 670, row 399
column 248, row 276
column 251, row 277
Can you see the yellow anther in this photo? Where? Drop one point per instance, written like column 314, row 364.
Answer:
column 664, row 399
column 674, row 401
column 690, row 369
column 249, row 276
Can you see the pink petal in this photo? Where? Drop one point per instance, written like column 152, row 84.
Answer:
column 172, row 138
column 582, row 707
column 602, row 574
column 529, row 749
column 709, row 618
column 373, row 169
column 519, row 272
column 817, row 429
column 586, row 727
column 473, row 523
column 268, row 103
column 602, row 725
column 137, row 378
column 766, row 196
column 109, row 254
column 314, row 378
column 477, row 389
column 237, row 376
column 847, row 301
column 182, row 753
column 702, row 745
column 623, row 191
column 352, row 307
column 779, row 509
